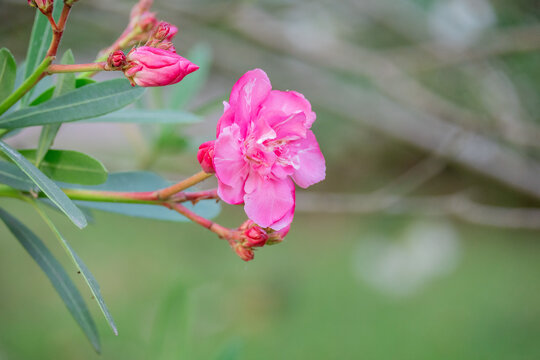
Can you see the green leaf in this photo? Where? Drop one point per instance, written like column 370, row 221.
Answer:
column 65, row 83
column 8, row 73
column 142, row 116
column 82, row 268
column 56, row 274
column 46, row 185
column 189, row 87
column 84, row 103
column 142, row 181
column 40, row 40
column 70, row 166
column 48, row 94
column 12, row 176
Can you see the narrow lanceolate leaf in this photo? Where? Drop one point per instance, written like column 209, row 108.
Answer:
column 56, row 274
column 70, row 166
column 142, row 116
column 49, row 188
column 40, row 40
column 83, row 270
column 8, row 73
column 12, row 176
column 65, row 83
column 84, row 103
column 48, row 94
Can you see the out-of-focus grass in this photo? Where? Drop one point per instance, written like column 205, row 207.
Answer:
column 177, row 292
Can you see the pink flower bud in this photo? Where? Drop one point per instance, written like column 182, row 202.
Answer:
column 116, row 60
column 205, row 155
column 148, row 66
column 147, row 21
column 172, row 32
column 141, row 7
column 162, row 31
column 275, row 237
column 253, row 234
column 165, row 45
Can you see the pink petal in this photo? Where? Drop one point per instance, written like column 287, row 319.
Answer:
column 230, row 165
column 288, row 102
column 271, row 204
column 311, row 164
column 247, row 94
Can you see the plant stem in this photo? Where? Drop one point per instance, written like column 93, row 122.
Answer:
column 60, row 68
column 221, row 231
column 182, row 185
column 58, row 30
column 26, row 85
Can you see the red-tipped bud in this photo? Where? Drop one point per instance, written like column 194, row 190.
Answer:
column 45, row 6
column 162, row 31
column 253, row 235
column 116, row 60
column 205, row 155
column 244, row 253
column 148, row 66
column 172, row 32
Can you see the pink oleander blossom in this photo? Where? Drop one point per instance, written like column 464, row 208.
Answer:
column 148, row 66
column 264, row 142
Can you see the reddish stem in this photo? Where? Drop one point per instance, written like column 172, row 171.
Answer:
column 58, row 30
column 221, row 231
column 68, row 68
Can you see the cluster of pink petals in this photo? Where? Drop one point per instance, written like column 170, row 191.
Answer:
column 264, row 142
column 148, row 66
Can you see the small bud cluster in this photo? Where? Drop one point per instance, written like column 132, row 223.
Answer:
column 250, row 235
column 45, row 6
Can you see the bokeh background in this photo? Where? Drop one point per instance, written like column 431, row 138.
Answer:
column 422, row 243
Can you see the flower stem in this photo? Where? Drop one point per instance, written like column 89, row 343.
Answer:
column 221, row 231
column 26, row 85
column 182, row 185
column 58, row 30
column 60, row 68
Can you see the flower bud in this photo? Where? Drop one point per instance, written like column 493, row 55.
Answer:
column 162, row 31
column 245, row 253
column 205, row 155
column 45, row 6
column 147, row 21
column 172, row 32
column 165, row 45
column 148, row 66
column 253, row 235
column 116, row 60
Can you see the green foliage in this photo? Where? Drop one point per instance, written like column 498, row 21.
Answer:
column 12, row 176
column 48, row 94
column 56, row 274
column 64, row 84
column 8, row 73
column 46, row 185
column 84, row 103
column 82, row 269
column 143, row 116
column 70, row 166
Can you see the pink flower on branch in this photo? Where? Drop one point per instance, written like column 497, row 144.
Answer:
column 264, row 142
column 148, row 66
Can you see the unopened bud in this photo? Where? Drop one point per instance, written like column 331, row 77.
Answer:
column 162, row 31
column 205, row 155
column 253, row 235
column 244, row 253
column 45, row 6
column 165, row 45
column 116, row 60
column 147, row 21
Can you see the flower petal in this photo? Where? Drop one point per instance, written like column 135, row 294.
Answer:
column 271, row 204
column 288, row 102
column 230, row 165
column 311, row 164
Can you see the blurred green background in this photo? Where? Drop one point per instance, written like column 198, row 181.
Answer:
column 422, row 243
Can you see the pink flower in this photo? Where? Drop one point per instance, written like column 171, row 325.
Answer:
column 263, row 144
column 148, row 66
column 205, row 155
